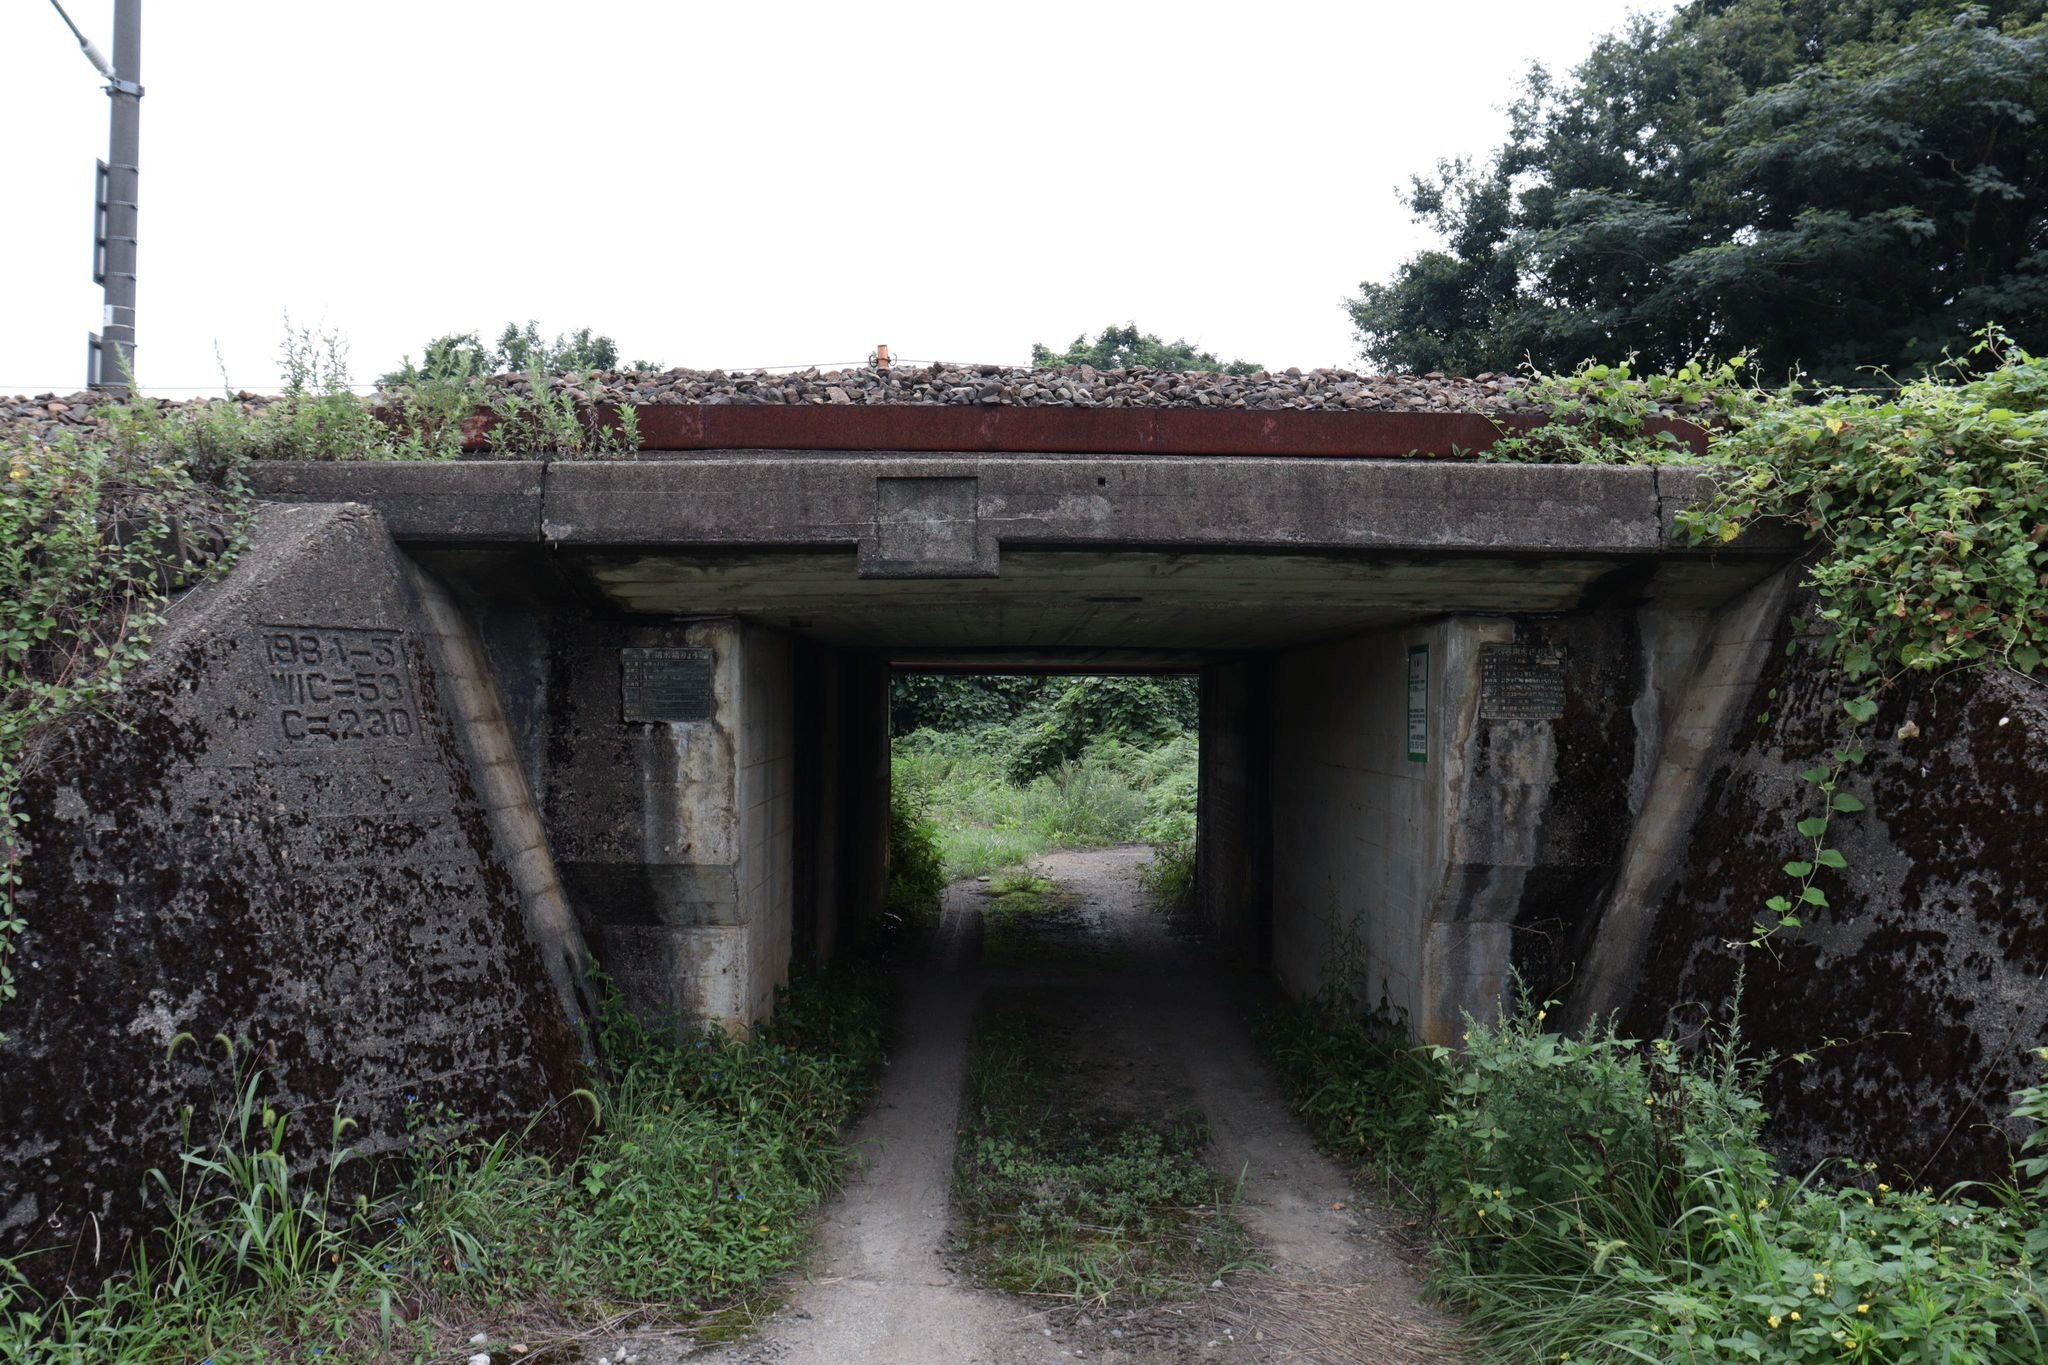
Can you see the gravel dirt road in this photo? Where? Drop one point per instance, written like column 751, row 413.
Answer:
column 882, row 1284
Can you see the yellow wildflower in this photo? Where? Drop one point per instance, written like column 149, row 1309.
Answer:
column 1863, row 1308
column 1883, row 1188
column 1772, row 1319
column 1763, row 1204
column 1795, row 1315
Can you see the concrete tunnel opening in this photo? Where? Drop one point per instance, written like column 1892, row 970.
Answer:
column 1457, row 721
column 996, row 769
column 1435, row 697
column 1419, row 773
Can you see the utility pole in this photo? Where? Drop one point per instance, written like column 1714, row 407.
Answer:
column 124, row 150
column 110, row 356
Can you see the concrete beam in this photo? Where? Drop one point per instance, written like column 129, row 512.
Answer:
column 795, row 498
column 1251, row 503
column 420, row 500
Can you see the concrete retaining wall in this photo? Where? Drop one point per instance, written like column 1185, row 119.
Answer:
column 1919, row 991
column 1357, row 842
column 273, row 834
column 675, row 838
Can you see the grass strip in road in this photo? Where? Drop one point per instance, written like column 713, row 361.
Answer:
column 1063, row 1194
column 1026, row 918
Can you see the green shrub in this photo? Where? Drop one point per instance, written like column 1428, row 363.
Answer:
column 1169, row 824
column 917, row 878
column 1061, row 728
column 956, row 701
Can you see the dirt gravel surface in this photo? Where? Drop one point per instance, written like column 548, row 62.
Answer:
column 882, row 1285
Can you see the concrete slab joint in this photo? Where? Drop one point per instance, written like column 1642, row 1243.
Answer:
column 926, row 527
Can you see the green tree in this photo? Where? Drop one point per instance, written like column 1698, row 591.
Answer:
column 1122, row 348
column 461, row 356
column 1833, row 184
column 521, row 349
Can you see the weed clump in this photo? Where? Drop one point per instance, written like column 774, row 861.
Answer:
column 1061, row 1195
column 917, row 873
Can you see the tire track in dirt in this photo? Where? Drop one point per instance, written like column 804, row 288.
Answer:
column 882, row 1285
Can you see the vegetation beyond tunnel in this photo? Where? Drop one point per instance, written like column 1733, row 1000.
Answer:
column 1008, row 766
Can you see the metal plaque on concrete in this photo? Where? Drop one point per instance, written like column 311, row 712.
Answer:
column 666, row 684
column 1418, row 703
column 1521, row 682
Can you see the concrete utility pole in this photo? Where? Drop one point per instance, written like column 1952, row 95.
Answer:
column 110, row 357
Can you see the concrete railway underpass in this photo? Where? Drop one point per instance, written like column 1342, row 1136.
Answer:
column 1450, row 711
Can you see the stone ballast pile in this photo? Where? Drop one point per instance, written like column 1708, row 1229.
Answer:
column 1064, row 386
column 48, row 415
column 1075, row 386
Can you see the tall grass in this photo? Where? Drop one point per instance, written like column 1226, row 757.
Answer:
column 1602, row 1199
column 1114, row 793
column 688, row 1193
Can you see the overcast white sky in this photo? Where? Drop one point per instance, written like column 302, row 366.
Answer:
column 739, row 185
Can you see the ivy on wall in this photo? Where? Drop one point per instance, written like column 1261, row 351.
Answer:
column 94, row 536
column 1927, row 503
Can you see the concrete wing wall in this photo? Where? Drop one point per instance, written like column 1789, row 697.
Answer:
column 272, row 835
column 1918, row 991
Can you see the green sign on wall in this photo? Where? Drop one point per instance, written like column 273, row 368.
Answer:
column 1418, row 703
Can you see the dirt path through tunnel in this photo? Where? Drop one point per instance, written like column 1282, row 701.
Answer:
column 883, row 1284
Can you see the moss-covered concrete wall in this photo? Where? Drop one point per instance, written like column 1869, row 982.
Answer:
column 271, row 835
column 1919, row 992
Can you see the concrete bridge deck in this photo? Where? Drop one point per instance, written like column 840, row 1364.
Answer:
column 924, row 552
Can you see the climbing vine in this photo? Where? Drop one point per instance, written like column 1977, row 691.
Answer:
column 93, row 537
column 1927, row 502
